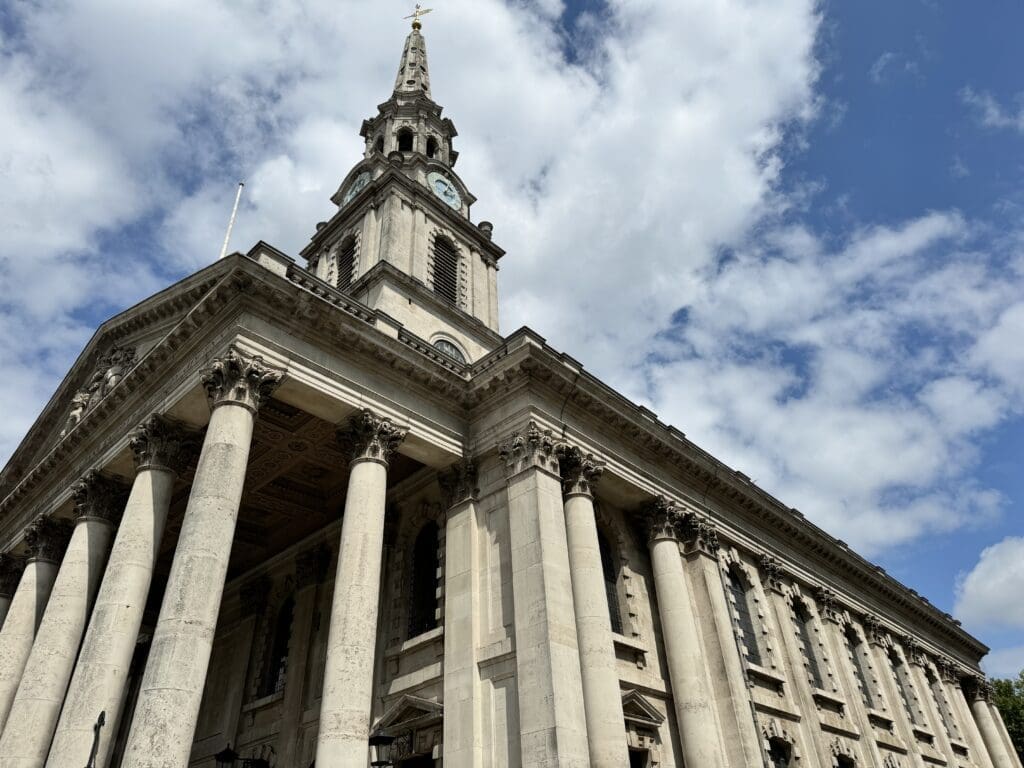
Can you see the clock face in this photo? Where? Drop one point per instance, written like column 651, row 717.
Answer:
column 444, row 189
column 356, row 187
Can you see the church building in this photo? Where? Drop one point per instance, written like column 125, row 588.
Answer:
column 319, row 510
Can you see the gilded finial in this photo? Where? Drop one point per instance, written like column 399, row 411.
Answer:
column 415, row 16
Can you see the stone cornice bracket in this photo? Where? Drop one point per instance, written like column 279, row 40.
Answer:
column 874, row 630
column 914, row 651
column 661, row 520
column 47, row 538
column 162, row 443
column 10, row 574
column 99, row 497
column 369, row 437
column 458, row 483
column 827, row 604
column 237, row 379
column 536, row 448
column 771, row 572
column 311, row 566
column 254, row 596
column 580, row 471
column 699, row 534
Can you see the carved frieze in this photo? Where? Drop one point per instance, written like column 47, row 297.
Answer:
column 162, row 443
column 47, row 538
column 311, row 566
column 580, row 471
column 240, row 380
column 661, row 519
column 99, row 496
column 699, row 534
column 10, row 574
column 535, row 447
column 458, row 482
column 369, row 437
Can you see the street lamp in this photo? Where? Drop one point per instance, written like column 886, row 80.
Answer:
column 381, row 744
column 226, row 758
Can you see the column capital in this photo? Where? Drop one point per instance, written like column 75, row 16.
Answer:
column 99, row 497
column 10, row 574
column 914, row 651
column 827, row 607
column 47, row 538
column 699, row 534
column 240, row 380
column 580, row 471
column 771, row 571
column 458, row 482
column 369, row 437
column 534, row 448
column 163, row 443
column 978, row 688
column 311, row 566
column 947, row 669
column 873, row 629
column 661, row 519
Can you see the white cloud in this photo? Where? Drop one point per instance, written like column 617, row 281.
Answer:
column 989, row 595
column 1006, row 663
column 991, row 113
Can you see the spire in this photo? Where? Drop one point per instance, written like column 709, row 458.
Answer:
column 413, row 75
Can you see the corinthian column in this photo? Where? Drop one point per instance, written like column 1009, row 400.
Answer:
column 172, row 685
column 161, row 450
column 99, row 501
column 602, row 696
column 348, row 674
column 691, row 697
column 47, row 539
column 980, row 698
column 10, row 574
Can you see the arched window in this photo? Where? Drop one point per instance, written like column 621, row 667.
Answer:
column 780, row 753
column 904, row 685
column 611, row 581
column 275, row 664
column 346, row 262
column 742, row 601
column 448, row 348
column 423, row 608
column 858, row 654
column 431, row 147
column 446, row 270
column 805, row 631
column 405, row 140
column 378, row 145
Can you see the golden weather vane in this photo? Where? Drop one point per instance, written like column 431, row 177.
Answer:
column 415, row 15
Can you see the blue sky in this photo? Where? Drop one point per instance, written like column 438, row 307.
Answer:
column 792, row 229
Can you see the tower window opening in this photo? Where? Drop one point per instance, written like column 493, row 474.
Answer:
column 446, row 270
column 275, row 665
column 423, row 608
column 639, row 758
column 844, row 761
column 611, row 582
column 741, row 599
column 860, row 668
column 378, row 145
column 405, row 139
column 346, row 262
column 780, row 754
column 805, row 630
column 431, row 147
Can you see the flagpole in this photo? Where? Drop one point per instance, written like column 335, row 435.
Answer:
column 231, row 222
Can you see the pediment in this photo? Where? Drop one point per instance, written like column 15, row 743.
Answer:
column 411, row 711
column 637, row 709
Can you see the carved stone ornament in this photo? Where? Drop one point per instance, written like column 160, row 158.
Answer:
column 771, row 572
column 947, row 670
column 661, row 519
column 873, row 630
column 891, row 761
column 108, row 374
column 311, row 566
column 534, row 448
column 162, row 443
column 47, row 538
column 827, row 603
column 10, row 574
column 98, row 496
column 914, row 651
column 580, row 471
column 979, row 689
column 254, row 596
column 240, row 380
column 369, row 437
column 699, row 534
column 458, row 482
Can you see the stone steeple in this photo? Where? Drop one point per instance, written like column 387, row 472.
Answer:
column 413, row 73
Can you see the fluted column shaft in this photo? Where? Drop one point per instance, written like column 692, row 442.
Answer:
column 602, row 696
column 98, row 683
column 348, row 673
column 33, row 717
column 691, row 696
column 171, row 691
column 989, row 729
column 47, row 540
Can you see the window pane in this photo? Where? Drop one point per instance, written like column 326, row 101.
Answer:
column 746, row 620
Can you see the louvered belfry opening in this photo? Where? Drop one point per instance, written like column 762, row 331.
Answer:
column 346, row 262
column 446, row 270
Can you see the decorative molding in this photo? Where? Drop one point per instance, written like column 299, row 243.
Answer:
column 10, row 574
column 458, row 482
column 580, row 471
column 163, row 443
column 254, row 596
column 536, row 448
column 771, row 572
column 237, row 379
column 311, row 566
column 47, row 538
column 369, row 437
column 99, row 497
column 699, row 534
column 661, row 519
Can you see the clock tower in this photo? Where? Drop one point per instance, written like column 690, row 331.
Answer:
column 402, row 240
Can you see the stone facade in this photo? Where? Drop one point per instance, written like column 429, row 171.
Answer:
column 277, row 509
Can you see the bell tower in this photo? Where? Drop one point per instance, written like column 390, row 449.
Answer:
column 402, row 240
